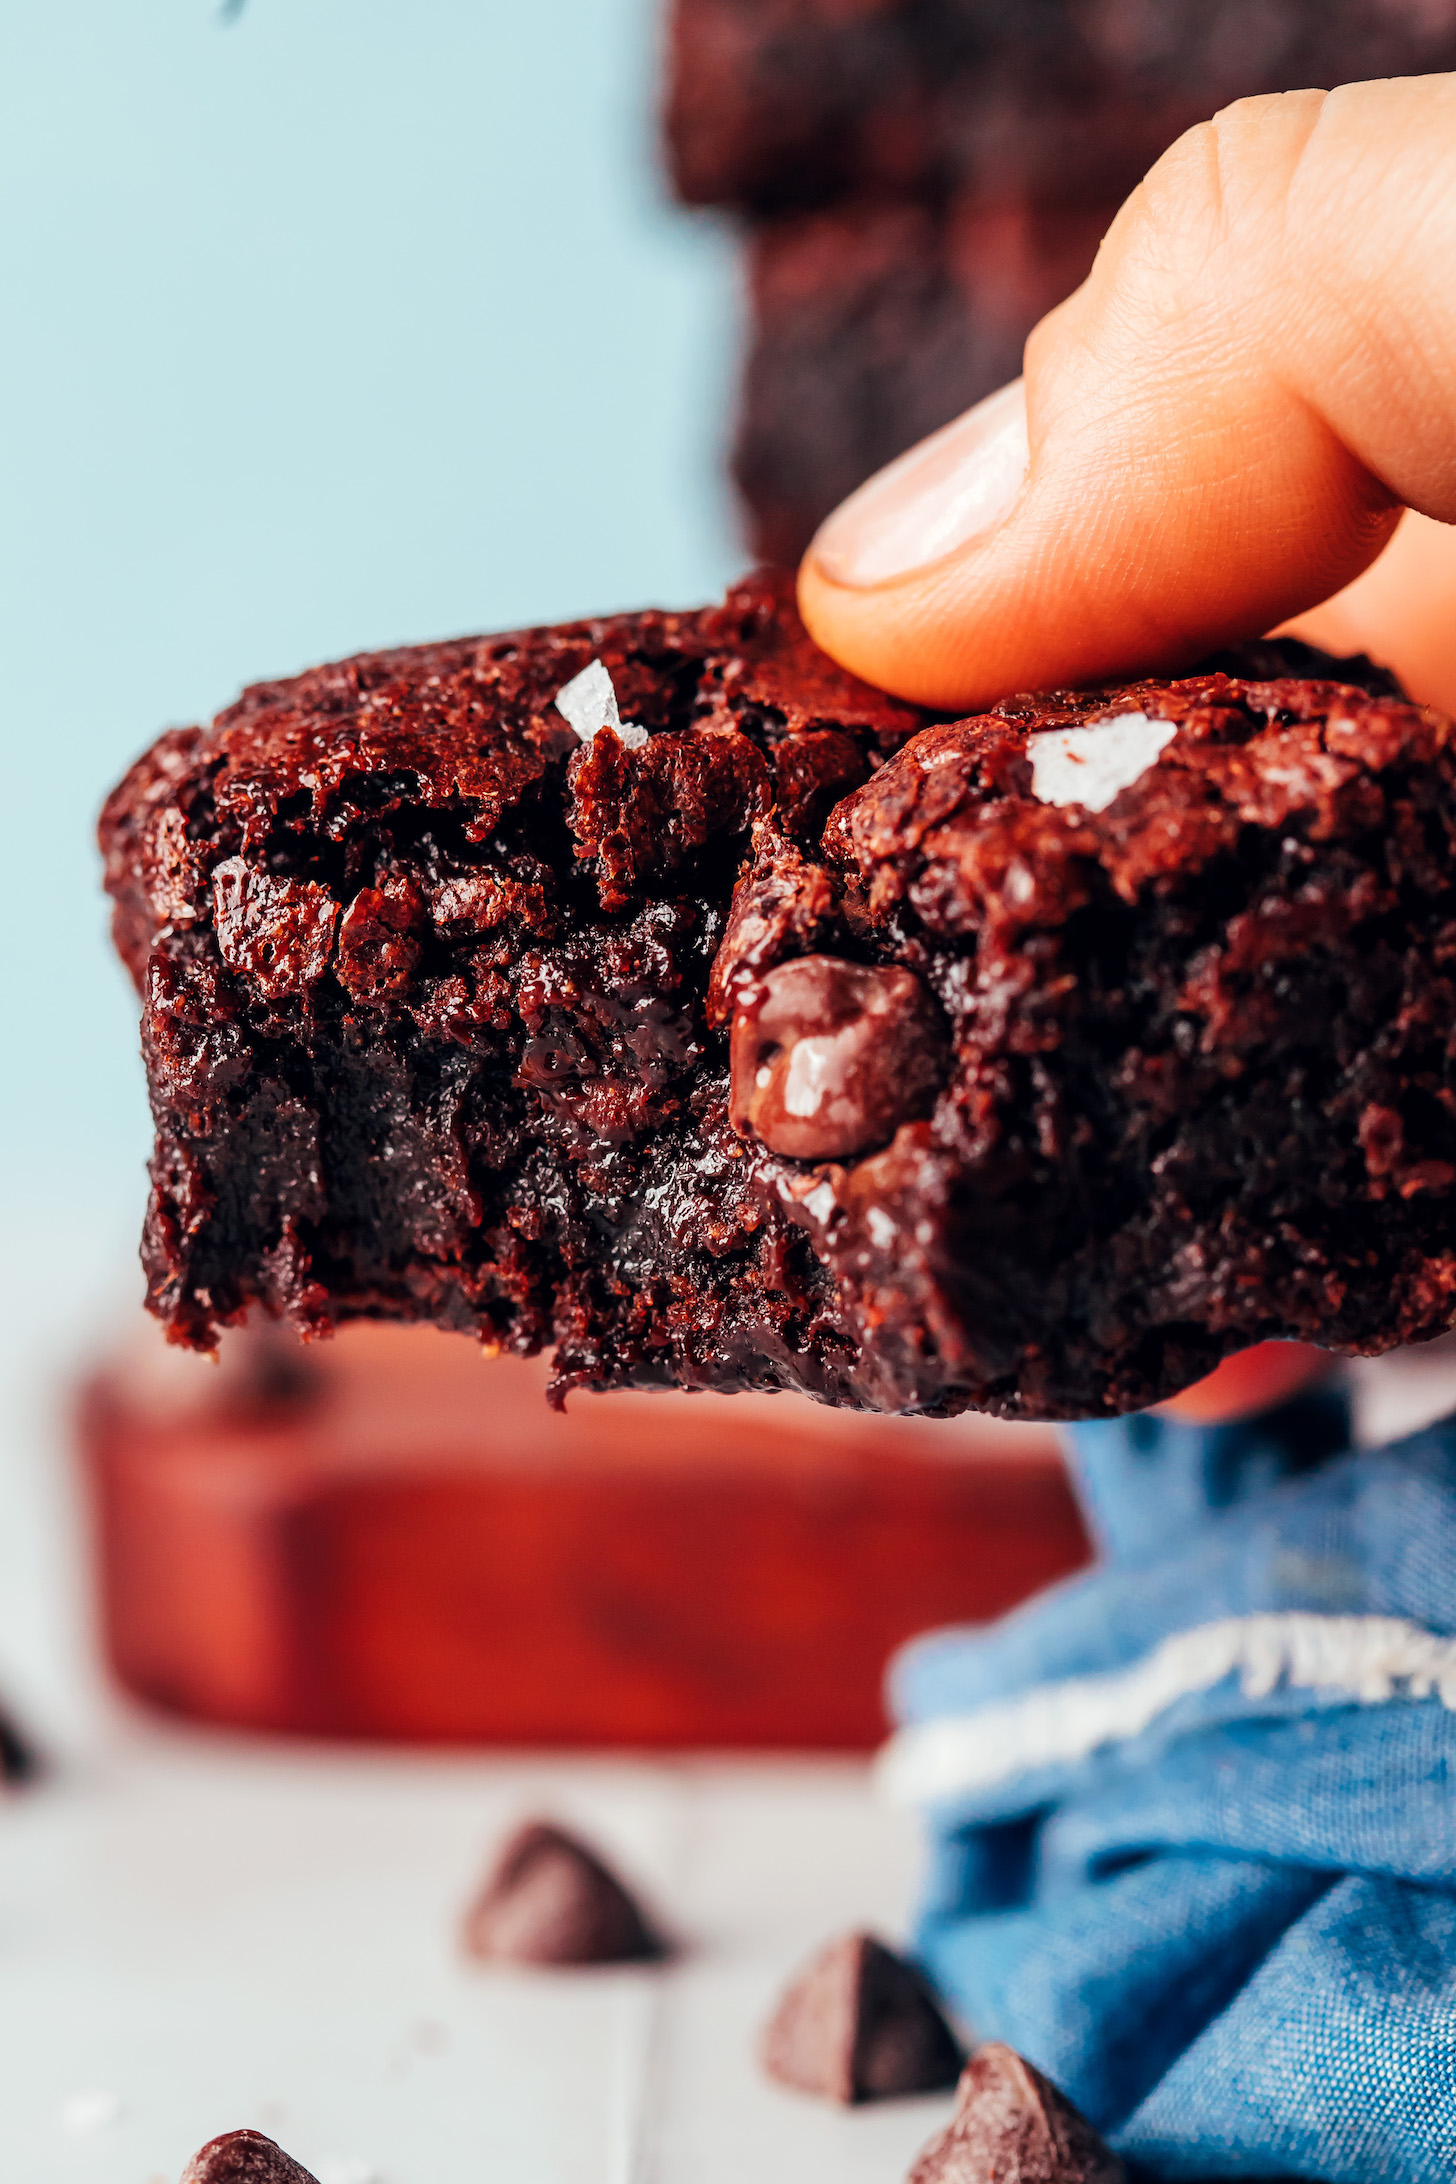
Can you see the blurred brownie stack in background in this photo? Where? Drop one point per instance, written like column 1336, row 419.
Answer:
column 919, row 181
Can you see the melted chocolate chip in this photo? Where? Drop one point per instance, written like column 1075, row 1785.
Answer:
column 1012, row 2126
column 829, row 1057
column 859, row 2024
column 549, row 1899
column 244, row 2157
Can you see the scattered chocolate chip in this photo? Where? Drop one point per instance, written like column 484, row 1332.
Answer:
column 1012, row 2126
column 830, row 1057
column 860, row 2024
column 244, row 2157
column 19, row 1761
column 549, row 1899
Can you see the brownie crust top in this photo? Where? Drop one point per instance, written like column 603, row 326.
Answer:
column 742, row 711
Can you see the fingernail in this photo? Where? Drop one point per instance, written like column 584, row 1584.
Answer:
column 919, row 508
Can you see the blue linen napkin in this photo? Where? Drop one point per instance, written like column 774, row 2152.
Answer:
column 1193, row 1814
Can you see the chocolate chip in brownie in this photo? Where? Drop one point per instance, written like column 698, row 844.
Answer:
column 244, row 2157
column 1012, row 2126
column 829, row 1057
column 550, row 1899
column 859, row 2024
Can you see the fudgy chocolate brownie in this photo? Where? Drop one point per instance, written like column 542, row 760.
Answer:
column 874, row 323
column 777, row 103
column 549, row 1898
column 1031, row 1062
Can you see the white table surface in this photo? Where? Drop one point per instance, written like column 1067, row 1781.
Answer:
column 199, row 1931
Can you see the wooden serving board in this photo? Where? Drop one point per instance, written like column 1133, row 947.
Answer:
column 390, row 1536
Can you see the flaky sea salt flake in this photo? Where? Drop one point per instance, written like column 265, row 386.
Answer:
column 1092, row 766
column 589, row 702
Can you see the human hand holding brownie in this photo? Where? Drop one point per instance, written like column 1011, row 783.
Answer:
column 1225, row 420
column 1187, row 1850
column 653, row 989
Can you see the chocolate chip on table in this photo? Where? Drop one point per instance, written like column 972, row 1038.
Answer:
column 549, row 1899
column 1012, row 2126
column 244, row 2157
column 859, row 2024
column 19, row 1761
column 830, row 1057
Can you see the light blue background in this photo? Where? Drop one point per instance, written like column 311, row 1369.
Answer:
column 346, row 323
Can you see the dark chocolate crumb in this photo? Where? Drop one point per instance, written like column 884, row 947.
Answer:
column 860, row 2024
column 245, row 2157
column 1012, row 2126
column 549, row 1899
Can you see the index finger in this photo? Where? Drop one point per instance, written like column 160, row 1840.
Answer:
column 1222, row 425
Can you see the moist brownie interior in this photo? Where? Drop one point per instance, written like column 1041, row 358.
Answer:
column 789, row 1037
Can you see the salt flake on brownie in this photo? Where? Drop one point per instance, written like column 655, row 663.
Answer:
column 1092, row 766
column 589, row 702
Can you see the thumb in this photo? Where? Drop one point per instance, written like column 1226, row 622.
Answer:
column 1217, row 431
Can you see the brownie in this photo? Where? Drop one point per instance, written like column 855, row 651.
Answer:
column 872, row 324
column 788, row 1038
column 779, row 103
column 921, row 180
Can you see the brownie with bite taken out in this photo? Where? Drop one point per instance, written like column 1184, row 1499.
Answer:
column 424, row 942
column 651, row 989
